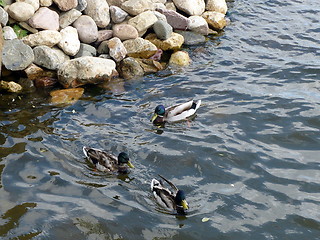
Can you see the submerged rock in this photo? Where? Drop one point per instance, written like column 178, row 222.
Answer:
column 66, row 96
column 10, row 86
column 180, row 58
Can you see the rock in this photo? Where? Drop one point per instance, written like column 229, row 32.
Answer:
column 66, row 96
column 103, row 48
column 28, row 27
column 1, row 49
column 69, row 43
column 50, row 58
column 191, row 7
column 116, row 49
column 16, row 55
column 171, row 6
column 173, row 43
column 20, row 11
column 46, row 37
column 66, row 5
column 143, row 21
column 45, row 18
column 157, row 56
column 176, row 20
column 199, row 25
column 104, row 35
column 105, row 56
column 98, row 10
column 3, row 17
column 10, row 86
column 82, row 4
column 160, row 16
column 140, row 47
column 130, row 68
column 8, row 33
column 135, row 7
column 117, row 14
column 85, row 70
column 149, row 65
column 217, row 6
column 117, row 3
column 35, row 72
column 45, row 3
column 192, row 38
column 125, row 31
column 180, row 58
column 45, row 82
column 34, row 3
column 86, row 50
column 162, row 29
column 87, row 29
column 215, row 20
column 67, row 18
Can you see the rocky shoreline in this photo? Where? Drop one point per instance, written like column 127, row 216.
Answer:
column 78, row 42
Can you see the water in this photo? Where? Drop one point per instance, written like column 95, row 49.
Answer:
column 248, row 161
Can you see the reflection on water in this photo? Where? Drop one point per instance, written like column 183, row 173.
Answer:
column 247, row 162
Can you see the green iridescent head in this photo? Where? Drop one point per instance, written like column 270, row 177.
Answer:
column 123, row 158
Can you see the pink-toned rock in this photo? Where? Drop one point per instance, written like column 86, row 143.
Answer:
column 104, row 35
column 125, row 31
column 87, row 29
column 45, row 18
column 176, row 20
column 44, row 82
column 66, row 5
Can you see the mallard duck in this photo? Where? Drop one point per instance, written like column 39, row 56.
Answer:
column 175, row 113
column 174, row 199
column 107, row 162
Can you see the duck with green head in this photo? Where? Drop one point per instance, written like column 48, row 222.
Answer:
column 107, row 162
column 175, row 113
column 173, row 199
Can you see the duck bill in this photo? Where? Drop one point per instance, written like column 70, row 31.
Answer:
column 130, row 164
column 154, row 117
column 185, row 205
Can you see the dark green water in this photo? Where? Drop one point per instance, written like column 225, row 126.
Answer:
column 248, row 161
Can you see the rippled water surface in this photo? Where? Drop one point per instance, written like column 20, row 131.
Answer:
column 249, row 161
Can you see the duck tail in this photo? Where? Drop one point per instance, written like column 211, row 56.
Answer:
column 154, row 182
column 85, row 150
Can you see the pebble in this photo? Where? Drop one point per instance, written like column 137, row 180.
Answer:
column 45, row 19
column 125, row 31
column 87, row 29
